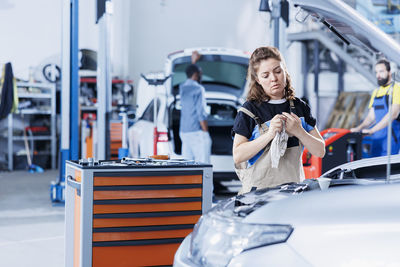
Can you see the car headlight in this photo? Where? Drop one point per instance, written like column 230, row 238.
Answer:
column 217, row 239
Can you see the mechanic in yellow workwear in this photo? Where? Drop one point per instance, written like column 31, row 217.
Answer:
column 378, row 117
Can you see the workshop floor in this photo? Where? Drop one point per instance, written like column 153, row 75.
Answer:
column 31, row 228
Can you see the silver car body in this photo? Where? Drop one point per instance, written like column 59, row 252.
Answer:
column 353, row 223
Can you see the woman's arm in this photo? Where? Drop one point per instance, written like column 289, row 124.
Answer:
column 313, row 140
column 243, row 149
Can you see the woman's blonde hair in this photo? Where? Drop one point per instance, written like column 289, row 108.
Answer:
column 256, row 92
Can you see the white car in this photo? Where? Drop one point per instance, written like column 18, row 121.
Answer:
column 224, row 79
column 355, row 222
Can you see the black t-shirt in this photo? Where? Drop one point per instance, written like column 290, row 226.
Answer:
column 246, row 126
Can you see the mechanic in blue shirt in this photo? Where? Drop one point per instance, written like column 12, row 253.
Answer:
column 196, row 141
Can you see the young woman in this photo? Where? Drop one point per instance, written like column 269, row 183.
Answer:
column 270, row 107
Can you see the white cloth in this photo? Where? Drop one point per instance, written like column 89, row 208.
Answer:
column 278, row 147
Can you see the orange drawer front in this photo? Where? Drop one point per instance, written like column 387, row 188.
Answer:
column 184, row 179
column 126, row 222
column 124, row 256
column 153, row 207
column 118, row 236
column 115, row 145
column 140, row 194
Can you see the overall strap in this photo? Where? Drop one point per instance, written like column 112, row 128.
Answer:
column 254, row 117
column 292, row 108
column 248, row 113
column 386, row 96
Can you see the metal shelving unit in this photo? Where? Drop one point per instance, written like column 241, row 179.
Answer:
column 46, row 91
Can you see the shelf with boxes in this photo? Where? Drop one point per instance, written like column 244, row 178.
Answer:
column 36, row 115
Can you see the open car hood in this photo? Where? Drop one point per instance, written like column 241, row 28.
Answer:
column 369, row 168
column 351, row 26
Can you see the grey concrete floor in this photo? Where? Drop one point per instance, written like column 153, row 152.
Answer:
column 31, row 228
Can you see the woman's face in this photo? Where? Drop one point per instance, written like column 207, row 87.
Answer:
column 272, row 78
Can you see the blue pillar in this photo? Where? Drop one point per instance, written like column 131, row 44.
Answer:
column 74, row 111
column 69, row 145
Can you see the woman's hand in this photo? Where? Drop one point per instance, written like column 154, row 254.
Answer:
column 312, row 140
column 293, row 124
column 276, row 125
column 243, row 149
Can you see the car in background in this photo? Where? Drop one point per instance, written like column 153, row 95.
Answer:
column 224, row 80
column 355, row 222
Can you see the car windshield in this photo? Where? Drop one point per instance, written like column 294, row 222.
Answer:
column 218, row 74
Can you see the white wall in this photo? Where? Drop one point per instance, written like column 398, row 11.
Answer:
column 31, row 32
column 88, row 29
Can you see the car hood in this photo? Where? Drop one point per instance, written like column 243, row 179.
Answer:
column 367, row 168
column 352, row 27
column 350, row 204
column 304, row 203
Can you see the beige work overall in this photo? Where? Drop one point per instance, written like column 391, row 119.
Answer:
column 261, row 174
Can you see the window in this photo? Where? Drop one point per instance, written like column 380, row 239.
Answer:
column 218, row 70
